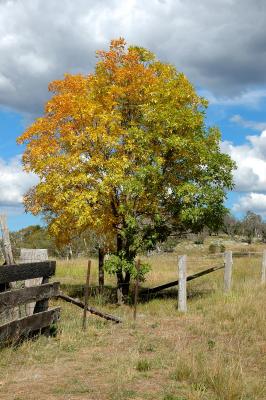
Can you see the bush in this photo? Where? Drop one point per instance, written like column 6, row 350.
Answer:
column 213, row 248
column 143, row 365
column 222, row 248
column 216, row 248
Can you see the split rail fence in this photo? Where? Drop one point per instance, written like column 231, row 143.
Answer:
column 13, row 301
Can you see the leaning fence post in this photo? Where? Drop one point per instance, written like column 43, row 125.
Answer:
column 228, row 259
column 7, row 248
column 9, row 259
column 182, row 283
column 263, row 268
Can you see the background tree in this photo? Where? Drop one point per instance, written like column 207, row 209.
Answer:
column 38, row 237
column 230, row 225
column 263, row 232
column 124, row 151
column 252, row 225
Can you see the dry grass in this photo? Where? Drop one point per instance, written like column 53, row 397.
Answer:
column 217, row 351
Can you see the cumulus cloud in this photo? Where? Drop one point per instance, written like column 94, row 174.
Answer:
column 215, row 42
column 257, row 126
column 247, row 97
column 250, row 175
column 251, row 163
column 252, row 201
column 14, row 182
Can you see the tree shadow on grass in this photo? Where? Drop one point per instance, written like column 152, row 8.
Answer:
column 108, row 294
column 196, row 293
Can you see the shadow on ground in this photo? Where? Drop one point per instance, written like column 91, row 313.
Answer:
column 108, row 294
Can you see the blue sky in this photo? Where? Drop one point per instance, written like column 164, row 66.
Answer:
column 218, row 44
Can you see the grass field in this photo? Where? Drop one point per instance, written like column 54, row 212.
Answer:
column 217, row 351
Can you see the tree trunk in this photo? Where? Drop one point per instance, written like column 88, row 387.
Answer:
column 119, row 244
column 119, row 291
column 70, row 253
column 123, row 280
column 126, row 284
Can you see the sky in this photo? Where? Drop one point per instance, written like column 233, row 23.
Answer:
column 220, row 45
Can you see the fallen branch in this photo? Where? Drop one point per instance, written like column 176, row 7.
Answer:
column 175, row 283
column 92, row 310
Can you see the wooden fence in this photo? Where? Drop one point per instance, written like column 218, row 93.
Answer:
column 228, row 268
column 225, row 263
column 12, row 299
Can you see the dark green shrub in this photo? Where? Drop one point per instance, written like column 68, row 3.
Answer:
column 143, row 365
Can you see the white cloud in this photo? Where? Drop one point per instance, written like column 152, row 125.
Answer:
column 257, row 126
column 215, row 42
column 252, row 201
column 247, row 98
column 251, row 163
column 14, row 182
column 250, row 176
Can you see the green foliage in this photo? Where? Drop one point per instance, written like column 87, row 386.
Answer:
column 169, row 244
column 38, row 237
column 222, row 248
column 115, row 263
column 143, row 365
column 211, row 344
column 33, row 237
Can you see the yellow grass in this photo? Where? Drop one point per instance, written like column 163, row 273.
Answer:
column 217, row 351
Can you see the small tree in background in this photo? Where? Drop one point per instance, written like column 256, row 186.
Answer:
column 230, row 225
column 252, row 225
column 124, row 151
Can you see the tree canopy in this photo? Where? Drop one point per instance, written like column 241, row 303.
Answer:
column 124, row 151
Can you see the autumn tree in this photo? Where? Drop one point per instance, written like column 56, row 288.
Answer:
column 125, row 152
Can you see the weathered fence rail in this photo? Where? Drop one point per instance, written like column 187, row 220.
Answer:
column 16, row 330
column 175, row 283
column 42, row 317
column 21, row 272
column 92, row 310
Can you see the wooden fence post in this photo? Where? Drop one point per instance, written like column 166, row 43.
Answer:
column 86, row 295
column 30, row 256
column 228, row 259
column 263, row 268
column 101, row 268
column 7, row 249
column 182, row 283
column 9, row 259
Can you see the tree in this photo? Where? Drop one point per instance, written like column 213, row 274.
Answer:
column 252, row 225
column 38, row 237
column 125, row 152
column 230, row 225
